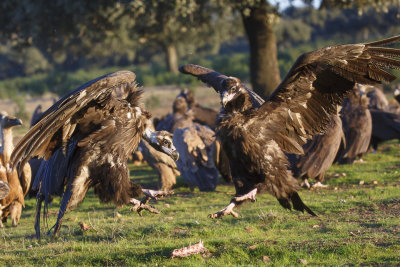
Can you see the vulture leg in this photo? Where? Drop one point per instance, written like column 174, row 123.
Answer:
column 228, row 210
column 138, row 206
column 305, row 184
column 15, row 213
column 63, row 207
column 39, row 201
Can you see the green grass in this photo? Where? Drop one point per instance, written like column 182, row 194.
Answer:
column 356, row 225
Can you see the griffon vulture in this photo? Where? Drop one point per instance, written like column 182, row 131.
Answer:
column 18, row 184
column 195, row 144
column 4, row 189
column 357, row 126
column 256, row 139
column 86, row 138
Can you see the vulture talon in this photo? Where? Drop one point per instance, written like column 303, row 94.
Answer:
column 156, row 194
column 139, row 206
column 228, row 210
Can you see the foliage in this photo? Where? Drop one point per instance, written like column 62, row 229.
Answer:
column 356, row 225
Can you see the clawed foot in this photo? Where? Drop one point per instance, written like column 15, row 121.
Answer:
column 156, row 194
column 228, row 210
column 319, row 185
column 139, row 206
column 251, row 195
column 305, row 184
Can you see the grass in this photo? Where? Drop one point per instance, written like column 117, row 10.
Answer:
column 357, row 224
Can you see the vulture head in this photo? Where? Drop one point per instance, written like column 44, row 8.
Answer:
column 161, row 141
column 180, row 105
column 8, row 121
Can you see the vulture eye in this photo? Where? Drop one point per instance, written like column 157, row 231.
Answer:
column 165, row 142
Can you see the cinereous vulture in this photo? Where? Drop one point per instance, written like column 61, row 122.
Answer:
column 256, row 139
column 86, row 138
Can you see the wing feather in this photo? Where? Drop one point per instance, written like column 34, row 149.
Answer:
column 317, row 83
column 46, row 136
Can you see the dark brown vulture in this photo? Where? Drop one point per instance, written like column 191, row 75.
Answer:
column 86, row 138
column 385, row 126
column 18, row 184
column 377, row 99
column 357, row 126
column 256, row 139
column 319, row 154
column 4, row 189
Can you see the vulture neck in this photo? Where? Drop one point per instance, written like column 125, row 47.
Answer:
column 150, row 136
column 6, row 145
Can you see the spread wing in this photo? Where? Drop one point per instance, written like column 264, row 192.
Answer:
column 318, row 81
column 59, row 122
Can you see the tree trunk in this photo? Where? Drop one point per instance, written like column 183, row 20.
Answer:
column 264, row 69
column 172, row 58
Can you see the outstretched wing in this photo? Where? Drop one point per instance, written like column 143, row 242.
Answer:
column 59, row 122
column 318, row 81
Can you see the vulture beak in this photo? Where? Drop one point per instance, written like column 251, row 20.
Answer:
column 12, row 121
column 226, row 97
column 171, row 152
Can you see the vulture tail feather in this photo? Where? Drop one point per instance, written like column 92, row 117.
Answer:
column 299, row 205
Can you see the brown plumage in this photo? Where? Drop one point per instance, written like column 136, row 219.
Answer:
column 357, row 126
column 195, row 144
column 12, row 204
column 160, row 162
column 86, row 138
column 385, row 126
column 4, row 189
column 202, row 115
column 319, row 153
column 256, row 139
column 377, row 99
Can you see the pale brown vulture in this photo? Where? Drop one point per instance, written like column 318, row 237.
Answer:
column 195, row 144
column 11, row 206
column 256, row 139
column 86, row 138
column 319, row 154
column 357, row 126
column 4, row 189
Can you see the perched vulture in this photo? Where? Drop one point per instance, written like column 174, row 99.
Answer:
column 256, row 139
column 196, row 146
column 4, row 189
column 319, row 154
column 385, row 126
column 357, row 126
column 209, row 117
column 85, row 139
column 201, row 114
column 377, row 99
column 163, row 164
column 18, row 184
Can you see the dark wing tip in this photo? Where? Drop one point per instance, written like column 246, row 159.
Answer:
column 194, row 70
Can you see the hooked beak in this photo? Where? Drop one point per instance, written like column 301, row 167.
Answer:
column 13, row 122
column 226, row 97
column 171, row 152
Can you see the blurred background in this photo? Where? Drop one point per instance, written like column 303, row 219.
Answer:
column 48, row 48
